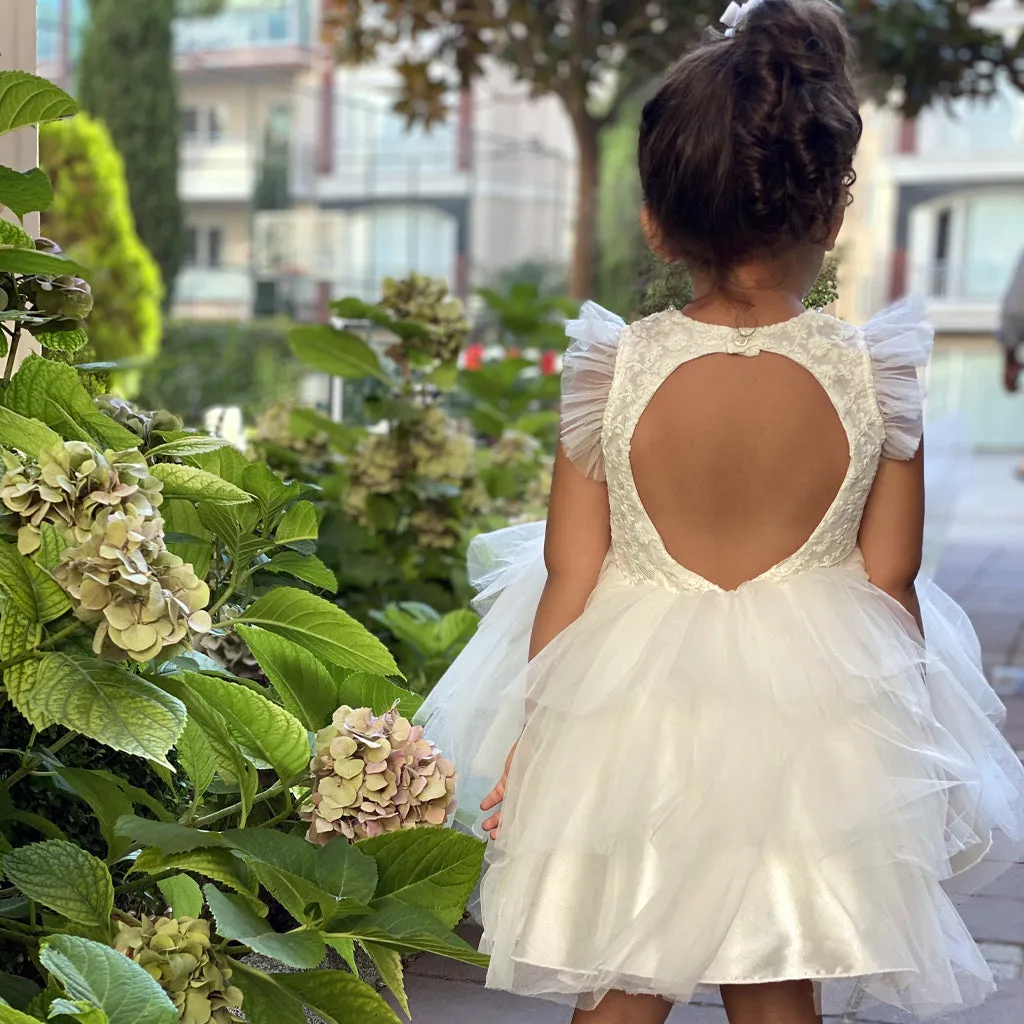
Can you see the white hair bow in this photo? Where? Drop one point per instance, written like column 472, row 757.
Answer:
column 735, row 13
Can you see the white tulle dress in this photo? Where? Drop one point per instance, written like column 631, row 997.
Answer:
column 777, row 782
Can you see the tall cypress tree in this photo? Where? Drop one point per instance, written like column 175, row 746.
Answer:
column 126, row 78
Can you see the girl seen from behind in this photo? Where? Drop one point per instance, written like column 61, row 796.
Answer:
column 739, row 742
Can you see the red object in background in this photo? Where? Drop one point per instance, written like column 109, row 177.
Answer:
column 548, row 363
column 898, row 275
column 474, row 356
column 512, row 353
column 906, row 144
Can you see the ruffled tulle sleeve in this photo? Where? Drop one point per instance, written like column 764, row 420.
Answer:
column 586, row 381
column 900, row 342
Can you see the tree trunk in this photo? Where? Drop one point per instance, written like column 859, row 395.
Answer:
column 581, row 274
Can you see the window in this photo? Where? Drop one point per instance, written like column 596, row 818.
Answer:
column 214, row 240
column 215, row 128
column 190, row 123
column 201, row 123
column 191, row 246
column 204, row 246
column 940, row 276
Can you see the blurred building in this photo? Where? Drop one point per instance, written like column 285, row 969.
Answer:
column 301, row 183
column 939, row 211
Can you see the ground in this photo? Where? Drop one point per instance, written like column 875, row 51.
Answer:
column 982, row 567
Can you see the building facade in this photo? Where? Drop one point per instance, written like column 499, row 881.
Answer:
column 302, row 184
column 939, row 212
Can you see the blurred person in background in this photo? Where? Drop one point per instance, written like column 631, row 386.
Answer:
column 1011, row 334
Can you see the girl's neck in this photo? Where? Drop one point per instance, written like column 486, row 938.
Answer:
column 745, row 310
column 757, row 294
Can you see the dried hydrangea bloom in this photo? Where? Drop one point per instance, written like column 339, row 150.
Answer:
column 142, row 597
column 229, row 650
column 375, row 774
column 73, row 483
column 141, row 422
column 427, row 301
column 177, row 952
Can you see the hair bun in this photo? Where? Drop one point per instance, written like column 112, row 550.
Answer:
column 807, row 37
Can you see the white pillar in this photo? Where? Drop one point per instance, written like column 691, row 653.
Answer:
column 20, row 149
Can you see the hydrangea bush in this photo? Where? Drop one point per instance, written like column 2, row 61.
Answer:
column 138, row 560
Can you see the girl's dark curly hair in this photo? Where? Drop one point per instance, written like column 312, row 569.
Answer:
column 747, row 149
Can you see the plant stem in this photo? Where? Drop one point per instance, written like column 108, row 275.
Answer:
column 25, row 940
column 50, row 641
column 141, row 883
column 12, row 352
column 226, row 812
column 28, row 766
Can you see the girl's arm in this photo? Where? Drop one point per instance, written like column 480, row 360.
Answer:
column 576, row 543
column 892, row 531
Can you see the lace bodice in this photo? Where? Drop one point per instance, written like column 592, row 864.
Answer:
column 613, row 371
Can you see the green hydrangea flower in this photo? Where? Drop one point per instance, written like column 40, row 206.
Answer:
column 177, row 952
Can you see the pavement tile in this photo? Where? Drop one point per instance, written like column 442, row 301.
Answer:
column 995, row 919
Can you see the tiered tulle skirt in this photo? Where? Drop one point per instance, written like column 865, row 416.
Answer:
column 775, row 783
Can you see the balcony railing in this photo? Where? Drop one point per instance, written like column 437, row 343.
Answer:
column 286, row 25
column 962, row 296
column 218, row 171
column 214, row 293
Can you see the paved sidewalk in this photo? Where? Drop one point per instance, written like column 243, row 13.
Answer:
column 983, row 569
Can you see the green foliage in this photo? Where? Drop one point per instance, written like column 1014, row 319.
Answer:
column 123, row 742
column 92, row 216
column 205, row 365
column 127, row 80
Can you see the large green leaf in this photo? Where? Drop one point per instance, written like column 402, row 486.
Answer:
column 221, row 865
column 408, row 929
column 366, row 690
column 17, row 991
column 25, row 191
column 53, row 393
column 389, row 965
column 307, row 568
column 108, row 980
column 26, row 435
column 64, row 336
column 183, row 895
column 27, row 586
column 262, row 728
column 79, row 1010
column 66, row 879
column 195, row 755
column 107, row 800
column 28, row 99
column 197, row 485
column 300, row 522
column 11, row 234
column 231, row 762
column 339, row 998
column 186, row 536
column 8, row 1015
column 167, row 837
column 304, row 685
column 338, row 353
column 269, row 489
column 338, row 878
column 432, row 868
column 228, row 463
column 323, row 628
column 265, row 1001
column 236, row 919
column 107, row 704
column 20, row 633
column 30, row 261
column 193, row 444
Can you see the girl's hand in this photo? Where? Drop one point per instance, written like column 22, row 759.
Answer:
column 496, row 796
